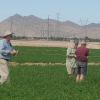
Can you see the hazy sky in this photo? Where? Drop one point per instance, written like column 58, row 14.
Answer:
column 72, row 10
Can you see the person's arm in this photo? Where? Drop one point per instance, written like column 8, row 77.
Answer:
column 3, row 49
column 70, row 53
column 14, row 52
column 5, row 52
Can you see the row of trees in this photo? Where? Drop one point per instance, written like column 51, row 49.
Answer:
column 57, row 38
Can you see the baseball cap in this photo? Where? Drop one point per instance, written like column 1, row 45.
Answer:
column 7, row 33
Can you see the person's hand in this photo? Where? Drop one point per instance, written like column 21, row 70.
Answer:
column 14, row 52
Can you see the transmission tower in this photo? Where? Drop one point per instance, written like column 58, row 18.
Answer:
column 57, row 24
column 11, row 26
column 85, row 26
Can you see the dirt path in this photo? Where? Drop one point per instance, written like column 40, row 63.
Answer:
column 44, row 64
column 45, row 43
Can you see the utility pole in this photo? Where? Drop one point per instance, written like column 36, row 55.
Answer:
column 11, row 26
column 24, row 34
column 48, row 30
column 57, row 24
column 42, row 31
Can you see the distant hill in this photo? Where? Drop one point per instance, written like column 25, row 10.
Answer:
column 32, row 26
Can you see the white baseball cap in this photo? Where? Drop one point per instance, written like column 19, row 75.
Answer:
column 7, row 33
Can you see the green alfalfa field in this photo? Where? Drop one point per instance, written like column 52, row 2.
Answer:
column 49, row 82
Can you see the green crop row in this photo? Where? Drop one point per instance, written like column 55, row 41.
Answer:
column 47, row 54
column 50, row 83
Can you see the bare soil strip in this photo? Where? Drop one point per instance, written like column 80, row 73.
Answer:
column 43, row 64
column 45, row 43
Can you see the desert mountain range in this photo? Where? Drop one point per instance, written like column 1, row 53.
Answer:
column 32, row 26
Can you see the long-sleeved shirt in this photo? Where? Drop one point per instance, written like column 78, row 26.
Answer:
column 71, row 52
column 5, row 49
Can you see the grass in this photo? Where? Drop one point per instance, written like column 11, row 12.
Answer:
column 94, row 55
column 46, row 55
column 50, row 83
column 40, row 54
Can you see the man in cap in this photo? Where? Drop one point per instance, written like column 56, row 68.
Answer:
column 6, row 50
column 82, row 58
